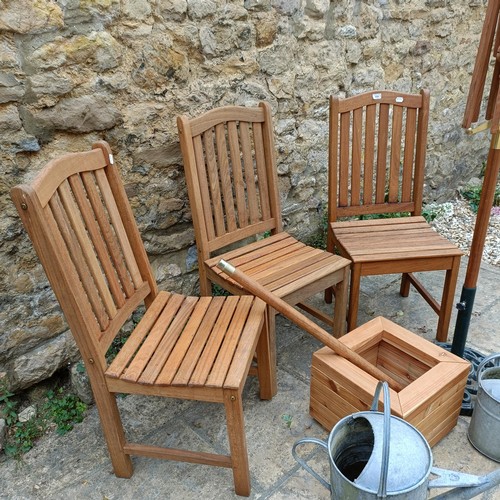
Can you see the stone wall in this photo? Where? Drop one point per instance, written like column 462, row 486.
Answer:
column 74, row 71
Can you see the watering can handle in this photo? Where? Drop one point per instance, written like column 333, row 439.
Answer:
column 484, row 362
column 382, row 488
column 304, row 465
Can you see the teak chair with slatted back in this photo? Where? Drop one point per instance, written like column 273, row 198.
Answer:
column 377, row 149
column 79, row 219
column 232, row 183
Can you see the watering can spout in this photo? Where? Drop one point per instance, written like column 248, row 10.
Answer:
column 449, row 478
column 463, row 493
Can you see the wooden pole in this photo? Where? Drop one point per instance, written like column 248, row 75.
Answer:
column 299, row 319
column 478, row 81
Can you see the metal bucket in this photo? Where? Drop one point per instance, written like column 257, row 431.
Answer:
column 374, row 455
column 484, row 428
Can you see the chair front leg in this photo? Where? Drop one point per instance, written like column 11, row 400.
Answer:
column 330, row 247
column 112, row 429
column 237, row 441
column 340, row 309
column 447, row 300
column 266, row 364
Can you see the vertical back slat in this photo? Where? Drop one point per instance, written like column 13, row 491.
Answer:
column 383, row 137
column 225, row 176
column 121, row 235
column 237, row 171
column 74, row 216
column 357, row 130
column 79, row 263
column 213, row 179
column 333, row 159
column 370, row 119
column 420, row 150
column 204, row 188
column 260, row 161
column 89, row 182
column 409, row 154
column 345, row 124
column 97, row 239
column 395, row 160
column 246, row 149
column 271, row 170
column 377, row 147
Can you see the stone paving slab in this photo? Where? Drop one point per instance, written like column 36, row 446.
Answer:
column 77, row 466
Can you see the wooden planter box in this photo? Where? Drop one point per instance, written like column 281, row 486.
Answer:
column 434, row 379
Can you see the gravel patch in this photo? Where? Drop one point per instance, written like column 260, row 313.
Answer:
column 455, row 221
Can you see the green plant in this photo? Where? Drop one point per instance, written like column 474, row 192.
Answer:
column 318, row 238
column 64, row 410
column 287, row 419
column 390, row 215
column 8, row 407
column 116, row 345
column 218, row 291
column 61, row 409
column 23, row 436
column 473, row 195
column 429, row 213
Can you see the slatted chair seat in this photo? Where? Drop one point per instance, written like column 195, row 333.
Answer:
column 284, row 265
column 79, row 219
column 394, row 240
column 232, row 181
column 206, row 343
column 377, row 146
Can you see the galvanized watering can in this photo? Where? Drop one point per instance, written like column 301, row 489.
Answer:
column 375, row 455
column 484, row 428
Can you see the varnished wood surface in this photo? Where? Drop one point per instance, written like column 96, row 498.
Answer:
column 376, row 167
column 81, row 224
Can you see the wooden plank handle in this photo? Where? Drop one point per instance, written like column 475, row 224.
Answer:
column 299, row 319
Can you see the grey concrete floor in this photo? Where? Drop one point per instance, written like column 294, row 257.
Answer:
column 77, row 466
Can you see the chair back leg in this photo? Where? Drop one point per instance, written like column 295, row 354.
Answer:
column 354, row 289
column 404, row 289
column 340, row 307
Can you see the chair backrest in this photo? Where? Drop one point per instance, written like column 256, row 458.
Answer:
column 231, row 175
column 377, row 145
column 79, row 219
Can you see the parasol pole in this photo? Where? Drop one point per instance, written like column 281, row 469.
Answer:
column 487, row 46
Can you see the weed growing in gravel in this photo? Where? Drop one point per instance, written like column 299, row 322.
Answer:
column 64, row 410
column 60, row 410
column 473, row 195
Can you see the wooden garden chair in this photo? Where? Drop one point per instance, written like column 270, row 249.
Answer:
column 233, row 191
column 79, row 219
column 377, row 146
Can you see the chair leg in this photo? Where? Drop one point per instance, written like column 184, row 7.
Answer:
column 329, row 292
column 112, row 429
column 266, row 365
column 447, row 300
column 404, row 290
column 237, row 441
column 205, row 283
column 271, row 326
column 340, row 309
column 354, row 290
